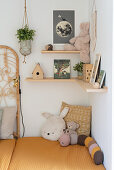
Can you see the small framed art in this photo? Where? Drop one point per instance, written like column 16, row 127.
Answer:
column 63, row 26
column 101, row 78
column 61, row 69
column 95, row 69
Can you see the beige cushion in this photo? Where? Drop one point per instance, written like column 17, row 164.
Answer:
column 80, row 115
column 1, row 112
column 8, row 121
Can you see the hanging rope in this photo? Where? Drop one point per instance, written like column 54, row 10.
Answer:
column 24, row 61
column 94, row 5
column 25, row 23
column 25, row 18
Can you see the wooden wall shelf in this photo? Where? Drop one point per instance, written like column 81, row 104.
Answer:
column 89, row 88
column 86, row 86
column 60, row 52
column 51, row 79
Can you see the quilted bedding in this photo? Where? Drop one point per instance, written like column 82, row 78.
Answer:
column 6, row 152
column 39, row 154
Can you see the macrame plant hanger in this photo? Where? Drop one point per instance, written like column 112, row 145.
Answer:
column 25, row 18
column 94, row 6
column 25, row 23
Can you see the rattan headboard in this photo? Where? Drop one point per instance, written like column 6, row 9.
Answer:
column 9, row 80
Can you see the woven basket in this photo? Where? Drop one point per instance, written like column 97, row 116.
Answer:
column 80, row 115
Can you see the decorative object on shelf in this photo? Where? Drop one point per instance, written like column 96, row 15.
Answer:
column 79, row 68
column 93, row 33
column 95, row 69
column 101, row 78
column 81, row 43
column 63, row 26
column 61, row 69
column 25, row 35
column 49, row 47
column 38, row 73
column 87, row 70
column 96, row 85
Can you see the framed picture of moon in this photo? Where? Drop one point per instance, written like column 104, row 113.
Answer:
column 63, row 26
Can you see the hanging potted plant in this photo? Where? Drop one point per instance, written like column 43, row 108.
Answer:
column 25, row 35
column 79, row 68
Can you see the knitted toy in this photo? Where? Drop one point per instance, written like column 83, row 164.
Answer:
column 72, row 126
column 65, row 138
column 69, row 136
column 81, row 43
column 94, row 149
column 54, row 125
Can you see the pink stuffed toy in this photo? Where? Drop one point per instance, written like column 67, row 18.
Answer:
column 65, row 138
column 81, row 43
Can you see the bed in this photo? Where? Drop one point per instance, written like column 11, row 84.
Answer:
column 36, row 153
column 6, row 151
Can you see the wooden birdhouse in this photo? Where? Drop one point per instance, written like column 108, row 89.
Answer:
column 38, row 72
column 87, row 70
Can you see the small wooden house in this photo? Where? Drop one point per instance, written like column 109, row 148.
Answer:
column 38, row 72
column 87, row 70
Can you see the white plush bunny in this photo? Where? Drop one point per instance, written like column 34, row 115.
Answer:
column 54, row 125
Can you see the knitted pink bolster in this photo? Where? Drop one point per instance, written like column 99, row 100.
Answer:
column 91, row 147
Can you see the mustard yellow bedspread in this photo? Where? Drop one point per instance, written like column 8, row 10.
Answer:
column 6, row 151
column 41, row 154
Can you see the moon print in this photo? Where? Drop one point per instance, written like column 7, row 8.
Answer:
column 64, row 29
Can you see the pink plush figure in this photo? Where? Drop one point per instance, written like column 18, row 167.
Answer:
column 81, row 43
column 65, row 138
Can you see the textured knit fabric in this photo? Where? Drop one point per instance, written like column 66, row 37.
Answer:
column 40, row 154
column 80, row 115
column 6, row 152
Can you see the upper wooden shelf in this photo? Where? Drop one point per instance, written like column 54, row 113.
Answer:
column 60, row 52
column 86, row 86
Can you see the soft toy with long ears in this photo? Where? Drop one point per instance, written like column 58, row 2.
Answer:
column 54, row 125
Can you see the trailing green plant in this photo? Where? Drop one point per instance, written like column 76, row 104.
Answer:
column 25, row 33
column 78, row 67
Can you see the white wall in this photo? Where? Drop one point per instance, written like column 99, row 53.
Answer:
column 113, row 95
column 102, row 103
column 40, row 97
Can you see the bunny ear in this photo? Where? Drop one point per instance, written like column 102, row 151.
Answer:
column 46, row 115
column 64, row 112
